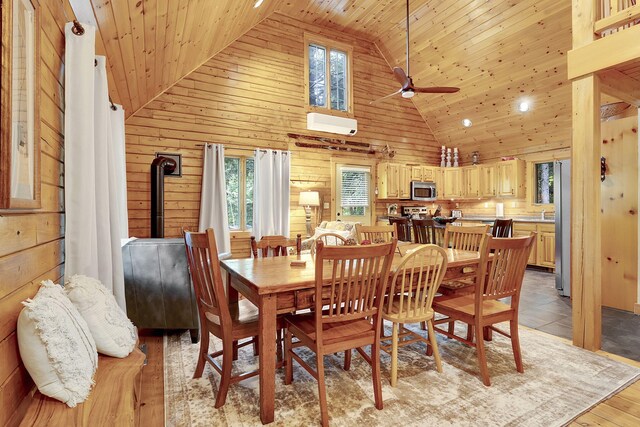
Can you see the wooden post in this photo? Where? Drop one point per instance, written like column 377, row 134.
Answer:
column 585, row 191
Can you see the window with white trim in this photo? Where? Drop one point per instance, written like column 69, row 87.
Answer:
column 354, row 192
column 329, row 75
column 239, row 183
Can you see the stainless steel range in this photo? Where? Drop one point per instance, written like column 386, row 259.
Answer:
column 415, row 211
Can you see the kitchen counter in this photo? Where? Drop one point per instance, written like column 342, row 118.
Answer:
column 534, row 219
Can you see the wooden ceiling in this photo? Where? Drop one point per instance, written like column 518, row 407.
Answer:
column 497, row 52
column 152, row 44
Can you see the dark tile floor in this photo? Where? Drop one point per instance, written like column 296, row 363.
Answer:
column 543, row 309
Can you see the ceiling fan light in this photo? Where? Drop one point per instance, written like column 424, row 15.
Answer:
column 408, row 93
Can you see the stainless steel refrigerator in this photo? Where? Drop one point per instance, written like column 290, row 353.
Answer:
column 562, row 201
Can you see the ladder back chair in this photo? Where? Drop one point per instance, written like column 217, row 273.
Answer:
column 229, row 322
column 424, row 231
column 350, row 285
column 502, row 228
column 499, row 276
column 275, row 245
column 404, row 227
column 376, row 233
column 329, row 239
column 410, row 298
column 466, row 239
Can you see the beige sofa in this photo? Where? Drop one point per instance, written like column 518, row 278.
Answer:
column 330, row 226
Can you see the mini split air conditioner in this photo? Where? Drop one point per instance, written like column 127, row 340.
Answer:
column 333, row 124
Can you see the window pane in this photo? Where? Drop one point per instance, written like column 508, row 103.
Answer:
column 338, row 69
column 355, row 188
column 232, row 176
column 317, row 76
column 248, row 193
column 353, row 211
column 544, row 183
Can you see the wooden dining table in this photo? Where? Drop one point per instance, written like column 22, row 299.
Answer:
column 277, row 287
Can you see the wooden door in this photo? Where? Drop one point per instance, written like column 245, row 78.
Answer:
column 471, row 182
column 487, row 176
column 619, row 207
column 547, row 250
column 524, row 229
column 506, row 187
column 404, row 180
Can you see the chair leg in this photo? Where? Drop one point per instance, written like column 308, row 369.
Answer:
column 234, row 346
column 423, row 326
column 515, row 344
column 452, row 326
column 434, row 344
column 278, row 345
column 375, row 373
column 470, row 332
column 202, row 357
column 322, row 391
column 482, row 362
column 347, row 359
column 288, row 360
column 487, row 333
column 394, row 355
column 225, row 378
column 256, row 348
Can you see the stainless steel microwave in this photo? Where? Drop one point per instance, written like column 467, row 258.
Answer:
column 423, row 191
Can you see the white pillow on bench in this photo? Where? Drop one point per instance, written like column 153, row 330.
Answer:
column 112, row 331
column 56, row 345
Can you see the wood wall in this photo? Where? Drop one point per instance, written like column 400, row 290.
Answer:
column 31, row 248
column 249, row 96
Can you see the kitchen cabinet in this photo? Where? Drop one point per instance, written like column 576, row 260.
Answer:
column 471, row 182
column 429, row 173
column 511, row 178
column 416, row 173
column 452, row 185
column 405, row 182
column 487, row 179
column 388, row 180
column 543, row 253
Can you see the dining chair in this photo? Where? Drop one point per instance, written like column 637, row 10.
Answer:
column 329, row 239
column 231, row 322
column 499, row 276
column 376, row 233
column 275, row 245
column 403, row 226
column 467, row 239
column 424, row 231
column 502, row 228
column 410, row 297
column 348, row 302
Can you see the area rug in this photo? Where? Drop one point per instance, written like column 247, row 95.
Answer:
column 560, row 382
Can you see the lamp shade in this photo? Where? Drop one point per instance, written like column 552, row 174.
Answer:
column 309, row 198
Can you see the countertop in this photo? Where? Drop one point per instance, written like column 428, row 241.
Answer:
column 493, row 218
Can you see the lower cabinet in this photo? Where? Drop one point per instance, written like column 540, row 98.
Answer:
column 543, row 253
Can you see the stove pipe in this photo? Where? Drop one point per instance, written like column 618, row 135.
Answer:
column 159, row 167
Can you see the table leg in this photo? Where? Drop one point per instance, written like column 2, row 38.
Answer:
column 232, row 293
column 267, row 325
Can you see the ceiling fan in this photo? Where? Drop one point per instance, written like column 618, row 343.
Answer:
column 408, row 90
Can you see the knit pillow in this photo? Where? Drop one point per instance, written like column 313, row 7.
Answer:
column 56, row 345
column 113, row 332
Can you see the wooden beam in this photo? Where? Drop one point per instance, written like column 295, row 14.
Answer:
column 623, row 87
column 617, row 19
column 615, row 49
column 585, row 214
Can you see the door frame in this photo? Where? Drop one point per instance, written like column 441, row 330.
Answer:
column 336, row 160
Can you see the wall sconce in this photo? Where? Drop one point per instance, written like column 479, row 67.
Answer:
column 309, row 199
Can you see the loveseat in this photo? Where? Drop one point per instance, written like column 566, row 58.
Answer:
column 348, row 228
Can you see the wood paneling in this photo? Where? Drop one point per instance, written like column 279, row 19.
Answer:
column 32, row 241
column 151, row 44
column 250, row 96
column 619, row 204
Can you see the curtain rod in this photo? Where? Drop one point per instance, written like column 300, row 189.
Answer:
column 261, row 150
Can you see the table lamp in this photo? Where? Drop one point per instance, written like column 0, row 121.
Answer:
column 309, row 199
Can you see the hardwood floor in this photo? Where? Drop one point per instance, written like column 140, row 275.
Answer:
column 622, row 409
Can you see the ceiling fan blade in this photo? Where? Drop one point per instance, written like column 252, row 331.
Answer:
column 385, row 97
column 436, row 89
column 401, row 77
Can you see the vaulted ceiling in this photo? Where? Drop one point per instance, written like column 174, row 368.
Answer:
column 497, row 52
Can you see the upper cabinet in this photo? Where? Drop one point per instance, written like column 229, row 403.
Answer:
column 487, row 174
column 405, row 182
column 510, row 178
column 394, row 181
column 471, row 181
column 452, row 185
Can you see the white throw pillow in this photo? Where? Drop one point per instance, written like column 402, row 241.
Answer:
column 113, row 332
column 56, row 345
column 320, row 231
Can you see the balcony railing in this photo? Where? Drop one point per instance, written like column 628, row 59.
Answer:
column 616, row 15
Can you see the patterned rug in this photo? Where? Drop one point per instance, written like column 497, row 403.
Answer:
column 560, row 382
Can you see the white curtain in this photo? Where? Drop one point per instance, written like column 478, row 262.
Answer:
column 92, row 207
column 116, row 121
column 213, row 199
column 271, row 193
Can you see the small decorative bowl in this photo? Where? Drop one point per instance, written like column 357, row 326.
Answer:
column 444, row 219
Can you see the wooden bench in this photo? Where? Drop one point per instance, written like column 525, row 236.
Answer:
column 114, row 399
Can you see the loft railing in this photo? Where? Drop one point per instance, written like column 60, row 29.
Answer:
column 616, row 15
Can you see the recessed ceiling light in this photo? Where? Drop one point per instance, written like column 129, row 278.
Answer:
column 524, row 106
column 466, row 123
column 258, row 3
